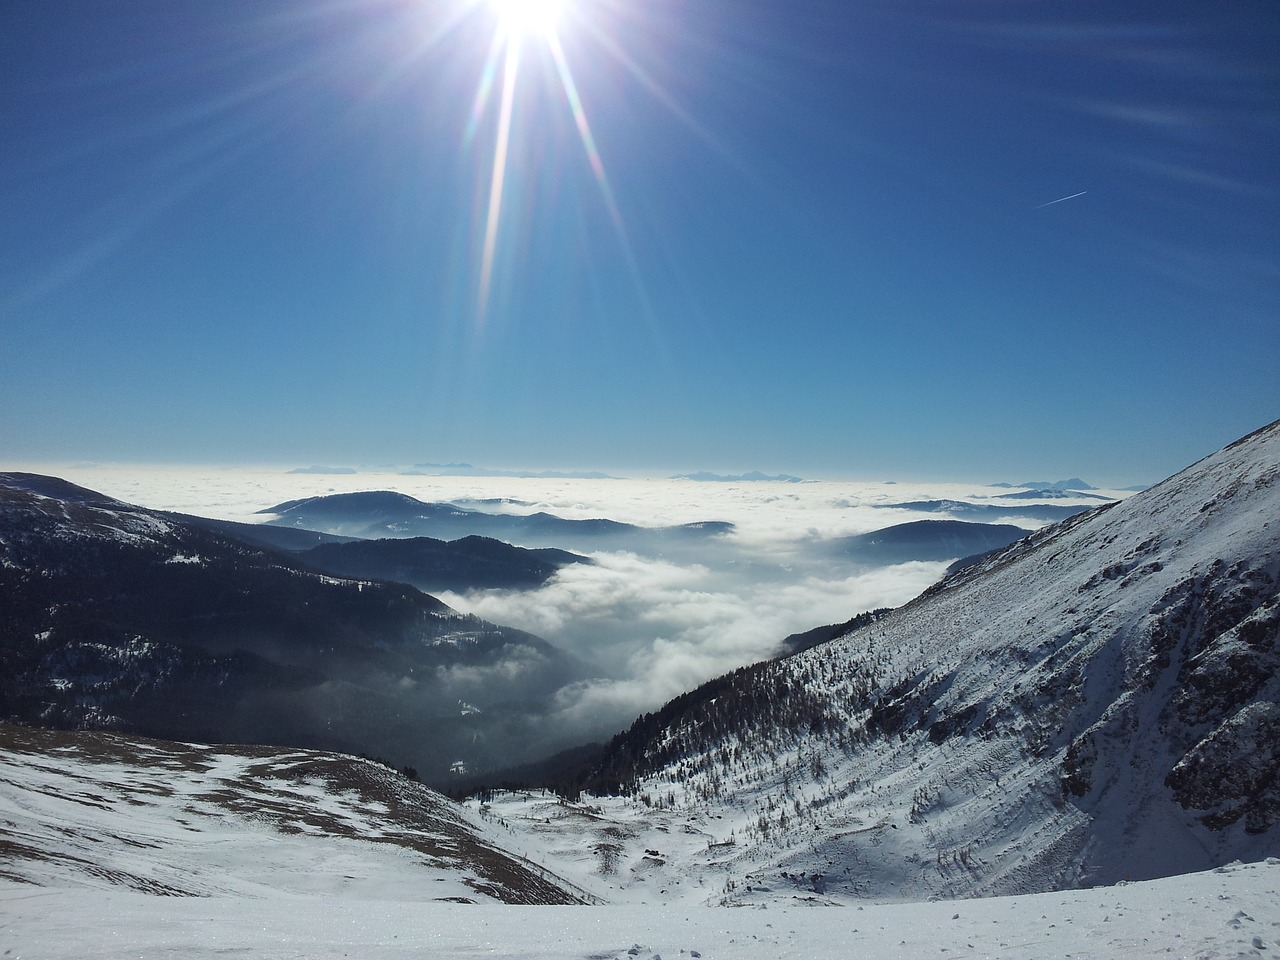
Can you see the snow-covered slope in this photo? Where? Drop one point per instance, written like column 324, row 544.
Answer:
column 117, row 847
column 1098, row 702
column 1229, row 912
column 101, row 811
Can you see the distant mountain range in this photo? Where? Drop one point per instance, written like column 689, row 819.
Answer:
column 267, row 536
column 124, row 618
column 382, row 514
column 471, row 563
column 467, row 470
column 324, row 471
column 1051, row 493
column 1044, row 512
column 925, row 540
column 457, row 470
column 1075, row 483
column 753, row 477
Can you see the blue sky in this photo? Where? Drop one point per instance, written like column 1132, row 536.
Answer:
column 819, row 239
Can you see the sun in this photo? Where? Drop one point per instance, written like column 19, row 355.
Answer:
column 522, row 27
column 518, row 21
column 521, row 19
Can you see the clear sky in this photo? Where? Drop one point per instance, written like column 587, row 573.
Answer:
column 807, row 236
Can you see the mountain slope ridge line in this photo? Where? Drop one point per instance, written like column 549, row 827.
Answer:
column 1097, row 702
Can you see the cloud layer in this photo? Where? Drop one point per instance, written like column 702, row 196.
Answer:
column 652, row 626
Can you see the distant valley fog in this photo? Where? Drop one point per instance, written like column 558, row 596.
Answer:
column 649, row 621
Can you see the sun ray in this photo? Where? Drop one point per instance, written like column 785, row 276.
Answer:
column 659, row 93
column 537, row 22
column 510, row 68
column 597, row 168
column 584, row 128
column 484, row 89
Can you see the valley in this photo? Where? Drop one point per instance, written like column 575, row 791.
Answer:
column 1092, row 704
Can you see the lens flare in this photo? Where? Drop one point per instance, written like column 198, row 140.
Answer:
column 522, row 19
column 518, row 24
column 499, row 175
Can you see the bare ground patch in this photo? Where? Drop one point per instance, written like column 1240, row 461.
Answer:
column 289, row 791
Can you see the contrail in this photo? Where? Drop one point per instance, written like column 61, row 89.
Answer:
column 1059, row 200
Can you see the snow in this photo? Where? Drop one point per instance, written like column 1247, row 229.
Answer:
column 1229, row 912
column 100, row 812
column 1009, row 734
column 807, row 842
column 116, row 847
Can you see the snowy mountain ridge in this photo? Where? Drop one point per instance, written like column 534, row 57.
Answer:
column 96, row 811
column 1097, row 702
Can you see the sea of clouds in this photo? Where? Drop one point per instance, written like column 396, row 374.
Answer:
column 651, row 625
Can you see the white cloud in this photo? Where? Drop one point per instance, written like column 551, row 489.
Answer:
column 653, row 627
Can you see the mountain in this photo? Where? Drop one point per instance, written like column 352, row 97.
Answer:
column 1075, row 483
column 122, row 618
column 1051, row 493
column 1097, row 702
column 925, row 540
column 1044, row 512
column 755, row 476
column 468, row 470
column 264, row 535
column 122, row 847
column 471, row 563
column 107, row 812
column 381, row 513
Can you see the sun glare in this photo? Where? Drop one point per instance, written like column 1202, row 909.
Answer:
column 519, row 19
column 527, row 30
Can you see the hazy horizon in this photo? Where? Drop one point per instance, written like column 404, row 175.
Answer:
column 1101, row 479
